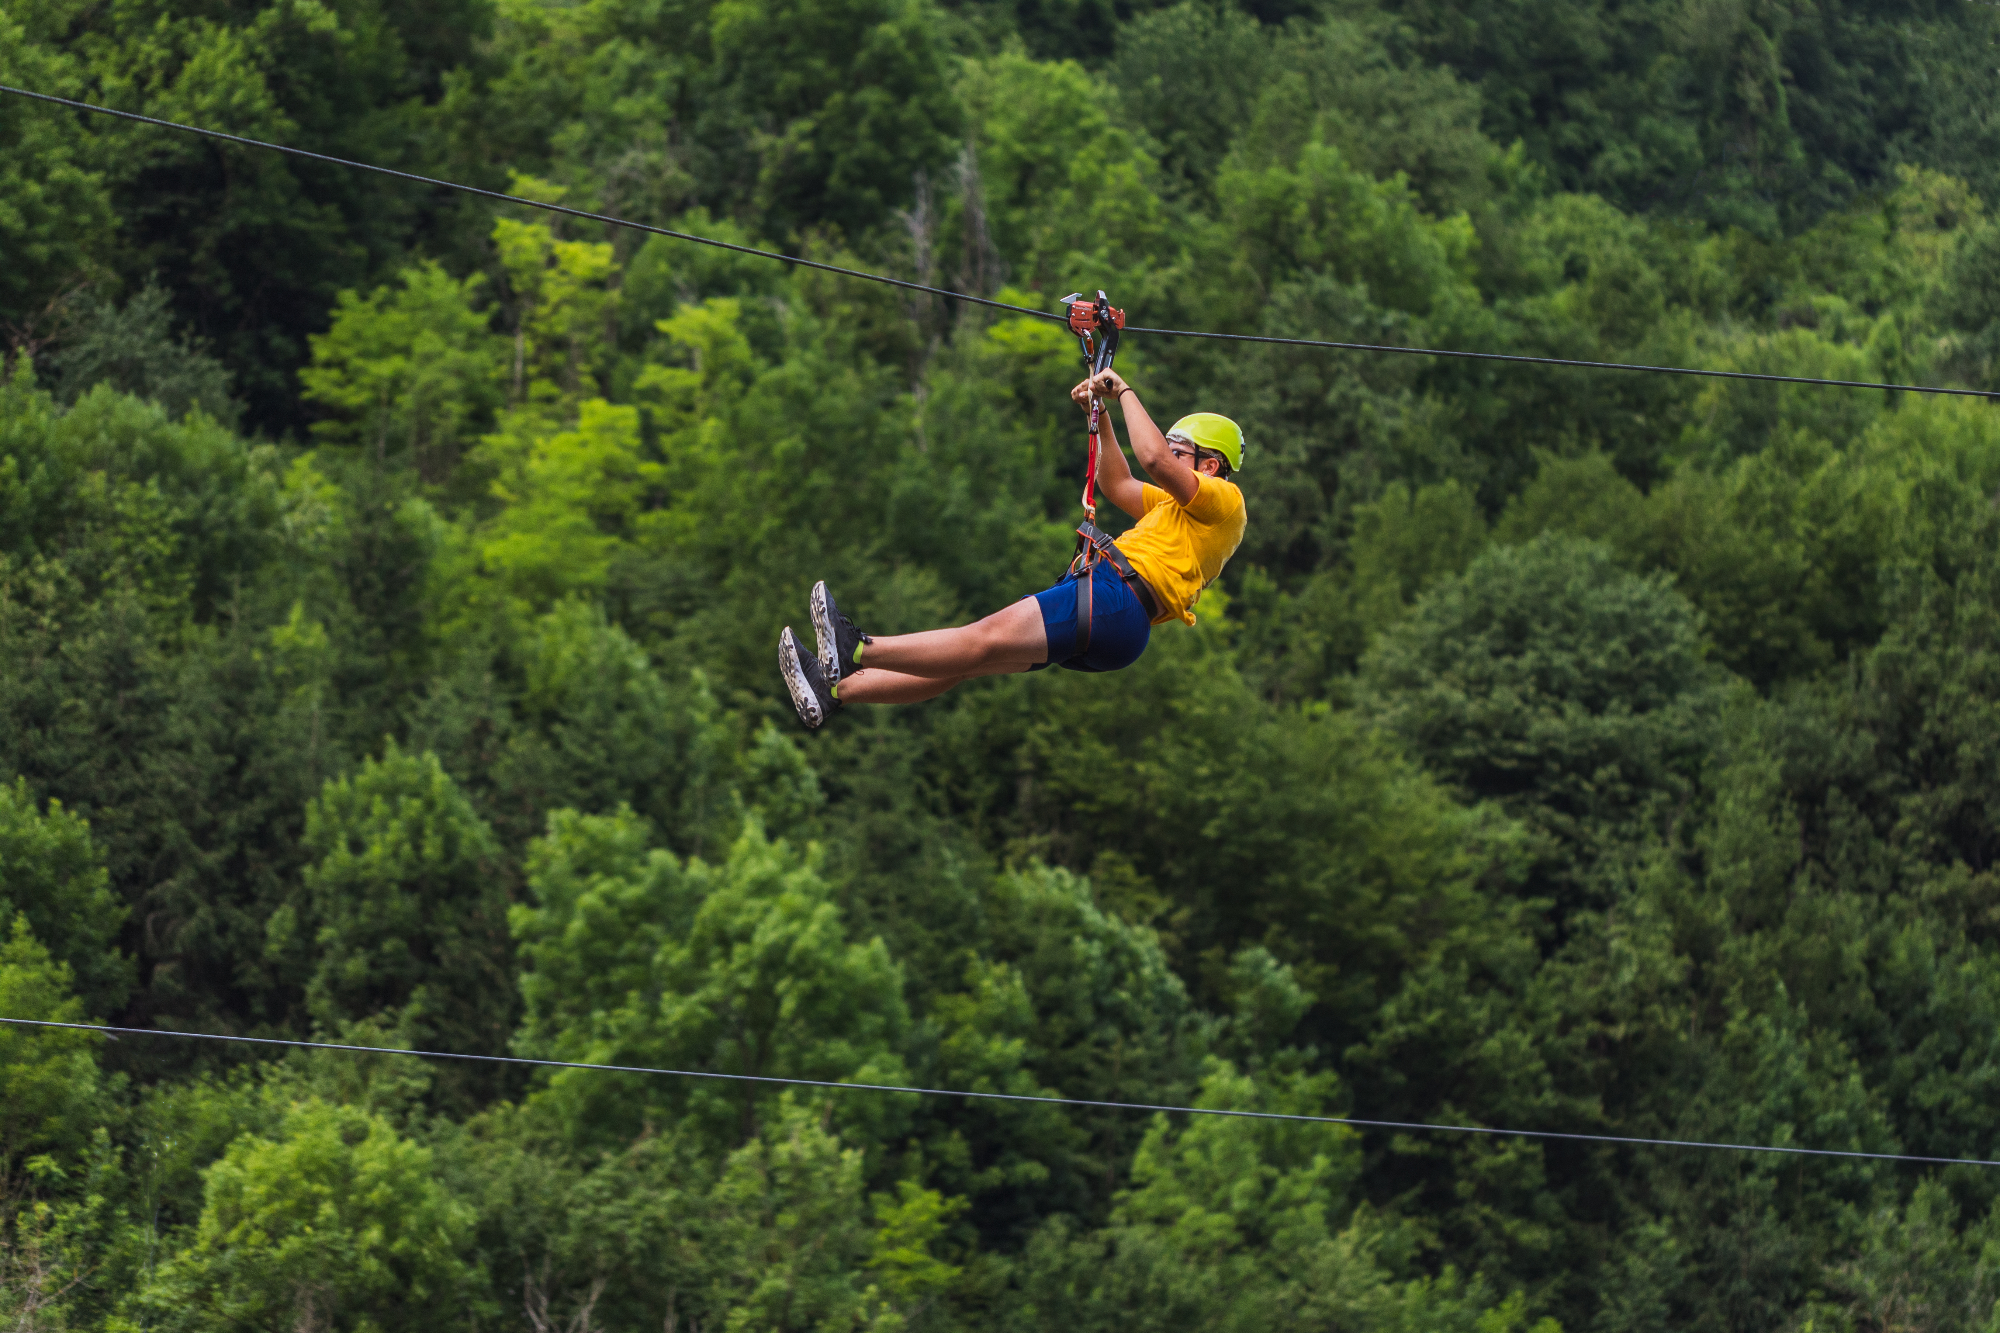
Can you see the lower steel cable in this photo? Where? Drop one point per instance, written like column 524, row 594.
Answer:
column 949, row 294
column 1354, row 1122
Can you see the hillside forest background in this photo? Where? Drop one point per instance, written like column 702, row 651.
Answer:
column 389, row 586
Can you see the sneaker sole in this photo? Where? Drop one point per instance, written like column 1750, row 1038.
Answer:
column 796, row 682
column 829, row 642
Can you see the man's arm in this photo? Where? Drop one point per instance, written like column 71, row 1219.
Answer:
column 1170, row 474
column 1114, row 475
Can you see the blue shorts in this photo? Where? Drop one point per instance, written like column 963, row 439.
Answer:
column 1118, row 624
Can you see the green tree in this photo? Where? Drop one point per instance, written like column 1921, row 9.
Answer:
column 334, row 1221
column 58, row 222
column 53, row 879
column 179, row 512
column 562, row 296
column 852, row 100
column 1550, row 680
column 134, row 349
column 573, row 499
column 1299, row 643
column 1231, row 1223
column 1748, row 117
column 1189, row 76
column 1964, row 304
column 53, row 1093
column 1069, row 194
column 742, row 968
column 255, row 245
column 784, row 1225
column 1917, row 1265
column 1237, row 823
column 1064, row 1000
column 777, row 1233
column 133, row 609
column 572, row 713
column 402, row 915
column 414, row 372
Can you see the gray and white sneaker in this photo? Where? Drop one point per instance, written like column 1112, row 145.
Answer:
column 811, row 694
column 838, row 638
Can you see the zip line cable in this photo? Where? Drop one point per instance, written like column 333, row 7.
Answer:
column 948, row 294
column 1082, row 1102
column 517, row 199
column 1580, row 365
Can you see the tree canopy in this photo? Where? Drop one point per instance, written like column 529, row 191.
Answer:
column 389, row 582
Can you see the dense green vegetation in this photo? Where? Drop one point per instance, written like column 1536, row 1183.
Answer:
column 389, row 586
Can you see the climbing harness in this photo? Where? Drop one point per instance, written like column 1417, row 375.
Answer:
column 1105, row 549
column 1096, row 325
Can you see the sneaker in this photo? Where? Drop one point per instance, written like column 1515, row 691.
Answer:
column 811, row 694
column 838, row 639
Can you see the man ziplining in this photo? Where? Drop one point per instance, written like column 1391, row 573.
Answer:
column 1099, row 616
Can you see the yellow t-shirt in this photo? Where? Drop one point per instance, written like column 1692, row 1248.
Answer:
column 1181, row 549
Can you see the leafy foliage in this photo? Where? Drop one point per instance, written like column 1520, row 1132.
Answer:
column 388, row 583
column 335, row 1221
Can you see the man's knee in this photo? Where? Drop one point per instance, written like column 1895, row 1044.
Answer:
column 987, row 641
column 992, row 642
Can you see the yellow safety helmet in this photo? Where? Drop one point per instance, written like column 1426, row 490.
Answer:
column 1213, row 432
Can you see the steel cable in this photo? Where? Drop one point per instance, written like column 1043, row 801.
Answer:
column 1354, row 1122
column 1580, row 365
column 527, row 203
column 949, row 294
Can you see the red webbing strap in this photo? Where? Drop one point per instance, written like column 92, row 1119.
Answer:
column 1096, row 326
column 1090, row 464
column 1090, row 361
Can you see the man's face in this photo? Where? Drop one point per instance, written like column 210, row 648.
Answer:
column 1208, row 467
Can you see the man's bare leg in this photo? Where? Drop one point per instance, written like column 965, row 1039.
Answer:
column 1009, row 640
column 872, row 685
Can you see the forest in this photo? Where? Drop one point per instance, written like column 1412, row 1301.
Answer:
column 390, row 583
